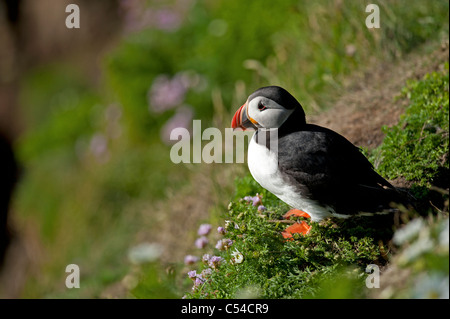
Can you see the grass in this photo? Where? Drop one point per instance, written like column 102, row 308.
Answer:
column 417, row 147
column 274, row 267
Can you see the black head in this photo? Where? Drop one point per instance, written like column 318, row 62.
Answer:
column 277, row 94
column 269, row 107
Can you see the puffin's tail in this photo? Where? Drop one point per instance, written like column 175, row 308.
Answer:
column 385, row 200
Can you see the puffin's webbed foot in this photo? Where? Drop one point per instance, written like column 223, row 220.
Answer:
column 297, row 228
column 295, row 212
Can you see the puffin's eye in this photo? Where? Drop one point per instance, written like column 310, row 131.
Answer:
column 261, row 107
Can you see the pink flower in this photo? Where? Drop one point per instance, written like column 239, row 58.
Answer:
column 201, row 242
column 99, row 146
column 224, row 244
column 167, row 19
column 166, row 93
column 206, row 258
column 215, row 261
column 204, row 229
column 198, row 281
column 255, row 200
column 189, row 259
column 183, row 118
column 192, row 274
column 138, row 15
column 206, row 272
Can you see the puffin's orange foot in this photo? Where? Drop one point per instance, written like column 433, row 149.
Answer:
column 297, row 228
column 295, row 212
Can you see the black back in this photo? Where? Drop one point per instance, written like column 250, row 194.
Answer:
column 326, row 167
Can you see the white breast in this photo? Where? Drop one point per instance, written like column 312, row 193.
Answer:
column 263, row 165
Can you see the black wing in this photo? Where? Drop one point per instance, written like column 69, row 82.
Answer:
column 328, row 168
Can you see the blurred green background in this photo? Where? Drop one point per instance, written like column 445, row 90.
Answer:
column 93, row 108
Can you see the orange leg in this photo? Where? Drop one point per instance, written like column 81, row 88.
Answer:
column 297, row 228
column 295, row 212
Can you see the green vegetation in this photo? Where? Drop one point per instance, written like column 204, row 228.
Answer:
column 417, row 147
column 273, row 267
column 330, row 262
column 96, row 156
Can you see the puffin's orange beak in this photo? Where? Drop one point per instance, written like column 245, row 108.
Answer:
column 241, row 119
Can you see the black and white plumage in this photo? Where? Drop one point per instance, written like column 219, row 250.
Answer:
column 313, row 169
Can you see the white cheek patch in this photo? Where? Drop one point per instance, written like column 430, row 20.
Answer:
column 272, row 117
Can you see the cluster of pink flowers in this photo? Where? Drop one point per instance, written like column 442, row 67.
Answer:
column 168, row 93
column 255, row 200
column 190, row 259
column 212, row 262
column 198, row 279
column 224, row 244
column 138, row 15
column 203, row 231
column 201, row 242
column 221, row 230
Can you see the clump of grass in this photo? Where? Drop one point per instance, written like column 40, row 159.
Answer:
column 328, row 40
column 417, row 147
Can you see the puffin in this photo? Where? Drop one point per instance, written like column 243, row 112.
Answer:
column 313, row 169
